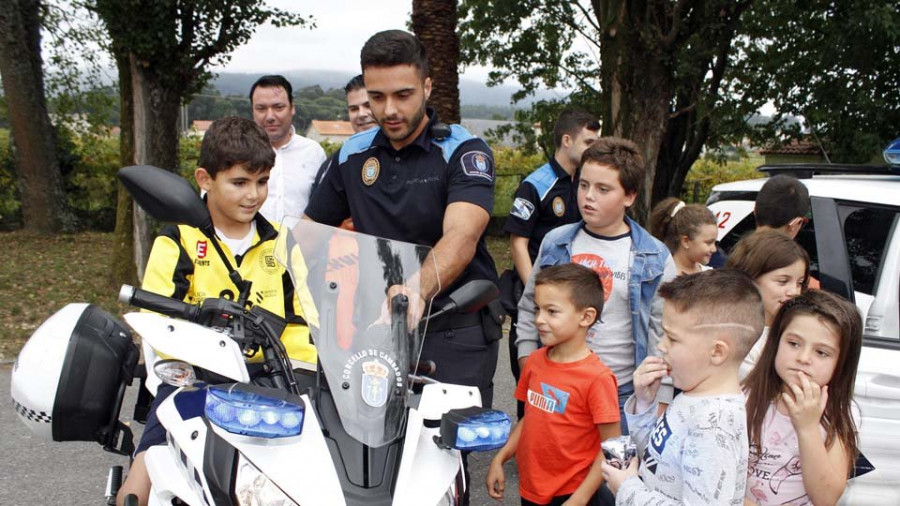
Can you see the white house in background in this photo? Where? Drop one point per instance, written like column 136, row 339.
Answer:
column 331, row 131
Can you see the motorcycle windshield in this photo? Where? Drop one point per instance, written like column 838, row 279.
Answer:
column 342, row 279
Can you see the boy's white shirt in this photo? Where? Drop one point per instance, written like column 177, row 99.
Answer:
column 695, row 453
column 238, row 246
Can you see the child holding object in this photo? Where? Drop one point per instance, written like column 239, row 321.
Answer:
column 696, row 451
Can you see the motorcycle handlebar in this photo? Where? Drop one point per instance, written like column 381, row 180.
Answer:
column 158, row 303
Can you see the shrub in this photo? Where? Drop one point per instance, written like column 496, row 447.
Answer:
column 708, row 172
column 10, row 209
column 510, row 167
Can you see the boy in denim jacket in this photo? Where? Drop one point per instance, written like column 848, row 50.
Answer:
column 630, row 262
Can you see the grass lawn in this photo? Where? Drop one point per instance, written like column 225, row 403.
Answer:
column 41, row 274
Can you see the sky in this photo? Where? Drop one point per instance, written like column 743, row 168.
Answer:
column 342, row 27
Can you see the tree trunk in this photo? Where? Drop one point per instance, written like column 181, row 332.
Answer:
column 124, row 267
column 434, row 23
column 40, row 182
column 636, row 97
column 155, row 142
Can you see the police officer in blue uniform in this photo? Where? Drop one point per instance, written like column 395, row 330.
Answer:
column 546, row 199
column 417, row 180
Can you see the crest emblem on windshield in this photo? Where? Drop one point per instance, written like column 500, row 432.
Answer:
column 374, row 389
column 370, row 171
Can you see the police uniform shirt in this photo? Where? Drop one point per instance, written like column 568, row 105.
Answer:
column 403, row 195
column 546, row 199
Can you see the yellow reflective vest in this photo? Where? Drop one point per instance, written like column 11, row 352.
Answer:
column 184, row 265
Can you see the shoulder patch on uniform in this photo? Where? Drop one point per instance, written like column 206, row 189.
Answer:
column 357, row 143
column 522, row 208
column 543, row 179
column 477, row 164
column 449, row 144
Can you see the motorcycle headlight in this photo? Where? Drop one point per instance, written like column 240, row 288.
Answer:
column 253, row 488
column 241, row 410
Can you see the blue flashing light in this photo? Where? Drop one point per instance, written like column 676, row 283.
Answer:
column 487, row 430
column 251, row 414
column 892, row 152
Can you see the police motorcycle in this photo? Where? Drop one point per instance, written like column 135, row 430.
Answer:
column 368, row 426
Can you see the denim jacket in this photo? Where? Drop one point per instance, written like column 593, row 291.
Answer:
column 651, row 264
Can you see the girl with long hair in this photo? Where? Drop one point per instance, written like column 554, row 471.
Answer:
column 803, row 438
column 779, row 267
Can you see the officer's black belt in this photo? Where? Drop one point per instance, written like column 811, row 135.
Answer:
column 454, row 321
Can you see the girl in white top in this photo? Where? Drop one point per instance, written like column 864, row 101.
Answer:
column 780, row 268
column 803, row 440
column 688, row 230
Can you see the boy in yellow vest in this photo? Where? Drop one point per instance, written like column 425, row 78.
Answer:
column 234, row 165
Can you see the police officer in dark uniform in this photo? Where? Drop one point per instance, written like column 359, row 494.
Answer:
column 546, row 199
column 417, row 180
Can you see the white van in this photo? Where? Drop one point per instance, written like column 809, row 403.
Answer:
column 853, row 240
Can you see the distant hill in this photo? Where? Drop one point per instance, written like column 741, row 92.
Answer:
column 472, row 92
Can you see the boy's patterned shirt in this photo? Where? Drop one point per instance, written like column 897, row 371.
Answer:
column 695, row 453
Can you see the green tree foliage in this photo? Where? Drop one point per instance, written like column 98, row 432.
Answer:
column 653, row 70
column 166, row 48
column 836, row 63
column 710, row 64
column 312, row 103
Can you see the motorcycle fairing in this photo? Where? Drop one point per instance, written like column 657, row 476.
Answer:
column 297, row 465
column 424, row 465
column 195, row 344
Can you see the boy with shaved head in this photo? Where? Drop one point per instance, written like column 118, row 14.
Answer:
column 696, row 451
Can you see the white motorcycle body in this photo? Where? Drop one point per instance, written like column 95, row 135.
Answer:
column 299, row 466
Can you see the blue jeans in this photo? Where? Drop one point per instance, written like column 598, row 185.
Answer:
column 625, row 391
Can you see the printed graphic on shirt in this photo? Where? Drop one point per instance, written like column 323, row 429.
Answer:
column 606, row 273
column 658, row 438
column 522, row 208
column 766, row 485
column 477, row 164
column 370, row 171
column 559, row 206
column 201, row 249
column 551, row 399
column 267, row 261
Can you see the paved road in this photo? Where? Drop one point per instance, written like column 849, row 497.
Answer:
column 35, row 471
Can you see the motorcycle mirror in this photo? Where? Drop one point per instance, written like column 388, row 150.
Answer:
column 165, row 196
column 473, row 295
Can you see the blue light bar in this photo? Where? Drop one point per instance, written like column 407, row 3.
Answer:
column 892, row 152
column 484, row 431
column 252, row 414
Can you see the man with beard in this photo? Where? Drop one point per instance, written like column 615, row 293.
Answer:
column 417, row 180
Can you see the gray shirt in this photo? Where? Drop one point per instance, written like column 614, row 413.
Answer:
column 611, row 337
column 695, row 453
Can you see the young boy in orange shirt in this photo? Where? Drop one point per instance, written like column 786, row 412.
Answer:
column 570, row 396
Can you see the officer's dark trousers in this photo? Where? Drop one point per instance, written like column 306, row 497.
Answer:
column 463, row 357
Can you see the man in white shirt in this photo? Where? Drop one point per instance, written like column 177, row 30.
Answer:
column 296, row 158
